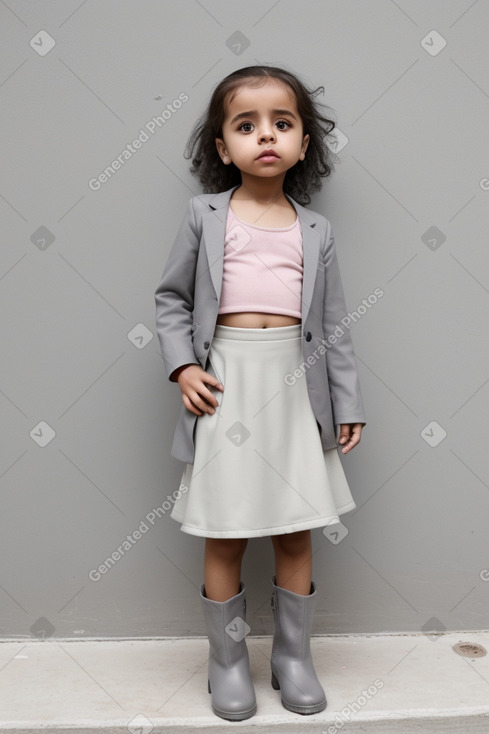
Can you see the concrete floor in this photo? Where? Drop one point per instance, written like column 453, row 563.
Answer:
column 374, row 684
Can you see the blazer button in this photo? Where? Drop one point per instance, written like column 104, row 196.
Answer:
column 207, row 345
column 308, row 336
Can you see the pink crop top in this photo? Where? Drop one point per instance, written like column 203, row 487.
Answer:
column 262, row 269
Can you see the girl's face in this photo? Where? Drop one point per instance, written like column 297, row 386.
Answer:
column 262, row 119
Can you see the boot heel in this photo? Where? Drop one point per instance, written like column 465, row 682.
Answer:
column 208, row 686
column 275, row 683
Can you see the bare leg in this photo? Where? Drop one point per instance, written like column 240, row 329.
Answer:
column 293, row 561
column 222, row 567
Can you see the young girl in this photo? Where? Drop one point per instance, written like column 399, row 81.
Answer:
column 248, row 314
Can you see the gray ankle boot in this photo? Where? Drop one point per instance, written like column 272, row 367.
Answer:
column 229, row 680
column 292, row 667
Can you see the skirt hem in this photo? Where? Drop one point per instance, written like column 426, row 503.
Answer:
column 265, row 532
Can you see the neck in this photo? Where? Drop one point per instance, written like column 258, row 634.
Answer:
column 264, row 191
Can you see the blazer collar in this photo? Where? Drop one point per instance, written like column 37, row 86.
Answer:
column 214, row 230
column 221, row 201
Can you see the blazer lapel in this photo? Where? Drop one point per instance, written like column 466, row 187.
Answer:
column 214, row 232
column 310, row 254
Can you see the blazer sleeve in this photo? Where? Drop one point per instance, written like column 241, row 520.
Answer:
column 340, row 358
column 174, row 296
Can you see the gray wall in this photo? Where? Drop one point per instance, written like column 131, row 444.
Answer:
column 87, row 412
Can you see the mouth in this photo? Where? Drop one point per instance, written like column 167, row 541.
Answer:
column 268, row 155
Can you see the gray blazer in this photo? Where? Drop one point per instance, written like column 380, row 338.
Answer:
column 187, row 303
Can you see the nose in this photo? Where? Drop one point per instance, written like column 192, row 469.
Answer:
column 266, row 132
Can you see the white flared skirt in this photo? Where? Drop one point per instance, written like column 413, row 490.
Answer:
column 259, row 467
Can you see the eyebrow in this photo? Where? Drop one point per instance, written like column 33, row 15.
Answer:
column 252, row 113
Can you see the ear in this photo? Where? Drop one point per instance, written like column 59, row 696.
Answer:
column 305, row 143
column 221, row 149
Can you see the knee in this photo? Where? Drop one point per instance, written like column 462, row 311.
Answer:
column 293, row 543
column 229, row 550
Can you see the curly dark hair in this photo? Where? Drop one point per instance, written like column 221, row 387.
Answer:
column 300, row 180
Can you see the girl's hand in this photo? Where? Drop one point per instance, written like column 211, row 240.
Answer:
column 196, row 396
column 350, row 434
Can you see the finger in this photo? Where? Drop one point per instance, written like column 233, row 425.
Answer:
column 200, row 390
column 203, row 404
column 354, row 439
column 206, row 394
column 213, row 381
column 345, row 433
column 190, row 406
column 357, row 433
